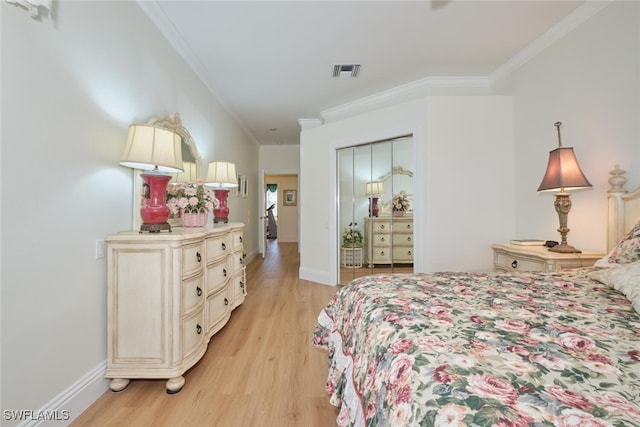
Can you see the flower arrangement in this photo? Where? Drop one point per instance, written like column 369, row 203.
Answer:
column 351, row 236
column 190, row 197
column 400, row 202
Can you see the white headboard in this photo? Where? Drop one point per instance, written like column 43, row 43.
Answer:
column 624, row 207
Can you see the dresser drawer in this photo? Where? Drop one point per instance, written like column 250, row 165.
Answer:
column 402, row 239
column 381, row 227
column 192, row 293
column 382, row 255
column 236, row 240
column 403, row 226
column 217, row 247
column 192, row 260
column 219, row 308
column 381, row 239
column 217, row 275
column 403, row 254
column 193, row 332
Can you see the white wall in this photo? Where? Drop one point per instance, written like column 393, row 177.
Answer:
column 463, row 152
column 70, row 88
column 589, row 81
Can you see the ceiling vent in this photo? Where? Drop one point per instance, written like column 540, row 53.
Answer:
column 346, row 70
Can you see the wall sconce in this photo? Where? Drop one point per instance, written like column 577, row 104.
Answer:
column 157, row 150
column 374, row 190
column 221, row 176
column 563, row 173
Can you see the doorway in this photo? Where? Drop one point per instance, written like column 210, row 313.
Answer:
column 375, row 208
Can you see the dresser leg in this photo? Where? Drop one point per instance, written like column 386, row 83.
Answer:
column 118, row 384
column 174, row 385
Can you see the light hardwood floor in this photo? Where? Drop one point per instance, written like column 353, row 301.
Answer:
column 259, row 370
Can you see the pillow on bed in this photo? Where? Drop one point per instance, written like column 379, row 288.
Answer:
column 625, row 278
column 626, row 251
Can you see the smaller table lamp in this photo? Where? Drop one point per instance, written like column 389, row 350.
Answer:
column 563, row 173
column 373, row 190
column 159, row 151
column 221, row 176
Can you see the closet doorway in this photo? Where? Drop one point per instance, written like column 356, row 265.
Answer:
column 375, row 208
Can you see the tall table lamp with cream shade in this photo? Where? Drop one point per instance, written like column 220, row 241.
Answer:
column 563, row 173
column 373, row 190
column 221, row 176
column 158, row 151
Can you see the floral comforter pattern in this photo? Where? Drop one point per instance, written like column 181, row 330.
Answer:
column 482, row 349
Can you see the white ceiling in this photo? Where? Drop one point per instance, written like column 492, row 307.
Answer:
column 270, row 63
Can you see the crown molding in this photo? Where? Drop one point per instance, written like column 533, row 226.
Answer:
column 406, row 92
column 157, row 16
column 572, row 21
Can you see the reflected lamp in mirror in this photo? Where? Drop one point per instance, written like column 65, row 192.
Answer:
column 189, row 173
column 374, row 190
column 221, row 176
column 563, row 173
column 158, row 152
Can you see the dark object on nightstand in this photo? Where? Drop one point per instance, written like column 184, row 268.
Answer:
column 550, row 243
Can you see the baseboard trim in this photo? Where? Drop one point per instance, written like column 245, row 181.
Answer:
column 68, row 405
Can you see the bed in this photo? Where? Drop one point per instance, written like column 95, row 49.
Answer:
column 493, row 349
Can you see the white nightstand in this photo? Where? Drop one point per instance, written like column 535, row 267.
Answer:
column 508, row 257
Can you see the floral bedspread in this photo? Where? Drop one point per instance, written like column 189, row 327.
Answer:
column 482, row 349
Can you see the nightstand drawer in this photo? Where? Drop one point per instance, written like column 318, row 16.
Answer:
column 508, row 262
column 509, row 257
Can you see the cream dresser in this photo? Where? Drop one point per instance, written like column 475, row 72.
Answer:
column 388, row 240
column 167, row 294
column 510, row 257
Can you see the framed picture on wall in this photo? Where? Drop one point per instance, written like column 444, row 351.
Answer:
column 290, row 197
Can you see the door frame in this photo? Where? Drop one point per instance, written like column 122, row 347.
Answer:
column 419, row 180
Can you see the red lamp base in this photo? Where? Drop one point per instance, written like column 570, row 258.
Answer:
column 221, row 213
column 154, row 211
column 373, row 206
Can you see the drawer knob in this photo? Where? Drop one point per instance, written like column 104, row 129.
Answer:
column 240, row 260
column 198, row 329
column 382, row 239
column 224, row 246
column 198, row 256
column 382, row 226
column 240, row 239
column 409, row 239
column 382, row 253
column 409, row 253
column 224, row 272
column 242, row 285
column 514, row 264
column 226, row 301
column 408, row 226
column 199, row 291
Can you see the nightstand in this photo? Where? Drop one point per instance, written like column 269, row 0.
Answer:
column 509, row 257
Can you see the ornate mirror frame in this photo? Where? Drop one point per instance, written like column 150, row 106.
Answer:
column 174, row 123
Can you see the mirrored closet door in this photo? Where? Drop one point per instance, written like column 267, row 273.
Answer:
column 375, row 208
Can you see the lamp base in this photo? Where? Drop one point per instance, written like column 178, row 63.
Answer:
column 565, row 249
column 155, row 228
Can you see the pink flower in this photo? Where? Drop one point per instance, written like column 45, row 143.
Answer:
column 634, row 354
column 493, row 388
column 513, row 326
column 569, row 398
column 400, row 370
column 615, row 403
column 401, row 346
column 577, row 418
column 451, row 415
column 576, row 342
column 441, row 374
